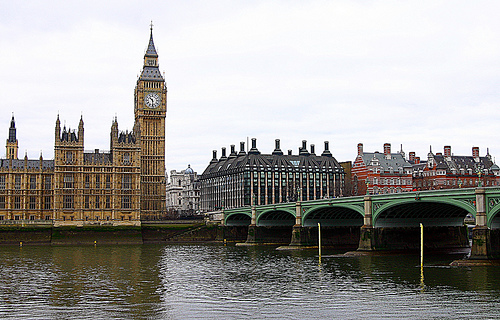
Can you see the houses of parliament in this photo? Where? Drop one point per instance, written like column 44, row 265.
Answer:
column 116, row 187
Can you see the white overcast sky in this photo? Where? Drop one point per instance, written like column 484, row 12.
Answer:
column 416, row 73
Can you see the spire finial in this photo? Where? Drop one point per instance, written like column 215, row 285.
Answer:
column 151, row 26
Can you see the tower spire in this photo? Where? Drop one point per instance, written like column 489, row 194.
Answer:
column 151, row 51
column 12, row 130
column 12, row 145
column 150, row 69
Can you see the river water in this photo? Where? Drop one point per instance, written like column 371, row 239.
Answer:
column 219, row 282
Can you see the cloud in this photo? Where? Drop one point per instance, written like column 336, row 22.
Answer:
column 412, row 73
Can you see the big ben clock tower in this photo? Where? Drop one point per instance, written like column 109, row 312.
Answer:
column 150, row 107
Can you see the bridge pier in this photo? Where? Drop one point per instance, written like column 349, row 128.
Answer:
column 253, row 236
column 367, row 232
column 481, row 237
column 300, row 236
column 268, row 234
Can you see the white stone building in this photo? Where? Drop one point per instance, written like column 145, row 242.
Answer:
column 183, row 192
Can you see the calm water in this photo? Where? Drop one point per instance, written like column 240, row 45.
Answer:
column 217, row 282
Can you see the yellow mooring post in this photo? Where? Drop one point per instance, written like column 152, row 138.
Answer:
column 422, row 284
column 319, row 239
column 421, row 245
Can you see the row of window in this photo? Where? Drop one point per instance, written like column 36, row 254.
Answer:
column 18, row 217
column 32, row 203
column 68, row 182
column 387, row 181
column 47, row 217
column 69, row 202
column 47, row 182
column 126, row 182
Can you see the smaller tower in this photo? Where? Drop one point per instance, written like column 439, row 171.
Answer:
column 12, row 145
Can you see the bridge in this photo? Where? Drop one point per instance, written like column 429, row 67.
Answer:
column 378, row 222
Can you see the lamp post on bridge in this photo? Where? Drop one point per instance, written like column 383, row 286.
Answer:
column 367, row 186
column 479, row 173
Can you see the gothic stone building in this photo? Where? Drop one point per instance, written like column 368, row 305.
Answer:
column 245, row 178
column 119, row 186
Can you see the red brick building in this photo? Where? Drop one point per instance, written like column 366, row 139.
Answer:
column 447, row 171
column 381, row 172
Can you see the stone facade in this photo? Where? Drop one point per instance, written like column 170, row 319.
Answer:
column 183, row 192
column 119, row 186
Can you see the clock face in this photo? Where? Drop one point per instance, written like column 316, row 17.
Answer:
column 152, row 100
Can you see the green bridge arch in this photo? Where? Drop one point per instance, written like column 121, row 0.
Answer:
column 431, row 211
column 333, row 215
column 276, row 217
column 398, row 206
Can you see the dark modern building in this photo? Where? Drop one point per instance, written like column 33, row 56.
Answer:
column 245, row 178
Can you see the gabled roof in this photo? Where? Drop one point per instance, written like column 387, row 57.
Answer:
column 31, row 164
column 97, row 157
column 463, row 162
column 395, row 162
column 254, row 161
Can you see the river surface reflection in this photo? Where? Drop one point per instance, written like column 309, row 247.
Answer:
column 218, row 282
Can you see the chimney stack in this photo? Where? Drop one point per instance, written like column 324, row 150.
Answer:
column 233, row 152
column 327, row 152
column 447, row 151
column 360, row 149
column 277, row 150
column 412, row 157
column 214, row 156
column 242, row 149
column 223, row 157
column 303, row 150
column 417, row 160
column 475, row 153
column 254, row 149
column 387, row 150
column 312, row 149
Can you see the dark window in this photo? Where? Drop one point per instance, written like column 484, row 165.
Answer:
column 32, row 203
column 48, row 182
column 47, row 203
column 126, row 181
column 32, row 182
column 68, row 202
column 2, row 182
column 17, row 202
column 68, row 181
column 17, row 182
column 126, row 202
